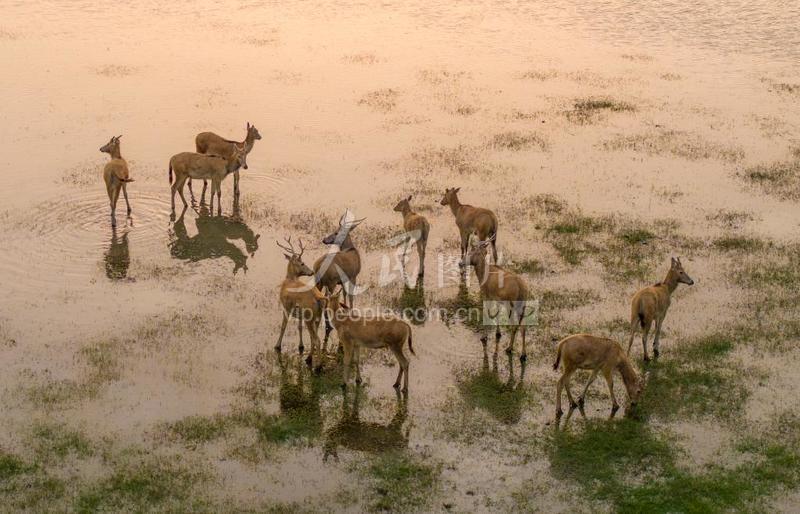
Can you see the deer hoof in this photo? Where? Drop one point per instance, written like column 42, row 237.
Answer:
column 484, row 339
column 573, row 405
column 301, row 348
column 308, row 360
column 655, row 354
column 523, row 358
column 278, row 348
column 559, row 413
column 358, row 381
column 396, row 385
column 318, row 369
column 509, row 351
column 646, row 358
column 343, row 386
column 405, row 391
column 581, row 401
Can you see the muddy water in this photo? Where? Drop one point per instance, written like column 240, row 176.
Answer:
column 359, row 106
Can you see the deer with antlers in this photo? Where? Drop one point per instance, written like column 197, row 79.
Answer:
column 505, row 289
column 342, row 267
column 377, row 331
column 651, row 304
column 300, row 298
column 471, row 220
column 116, row 176
column 212, row 144
column 417, row 229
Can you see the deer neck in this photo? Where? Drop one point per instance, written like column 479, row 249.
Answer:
column 115, row 153
column 248, row 143
column 629, row 376
column 347, row 244
column 671, row 281
column 406, row 211
column 291, row 274
column 455, row 205
column 232, row 165
column 481, row 270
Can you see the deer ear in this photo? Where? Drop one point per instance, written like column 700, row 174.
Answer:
column 456, row 190
column 257, row 236
column 409, row 198
column 288, row 257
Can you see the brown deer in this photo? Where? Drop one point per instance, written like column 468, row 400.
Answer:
column 584, row 351
column 342, row 267
column 376, row 331
column 504, row 289
column 212, row 144
column 471, row 220
column 188, row 165
column 417, row 229
column 651, row 304
column 116, row 176
column 300, row 299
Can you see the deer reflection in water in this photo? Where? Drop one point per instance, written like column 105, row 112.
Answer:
column 213, row 239
column 354, row 434
column 484, row 388
column 117, row 257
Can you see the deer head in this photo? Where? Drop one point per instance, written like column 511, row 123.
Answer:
column 450, row 194
column 403, row 205
column 476, row 253
column 677, row 269
column 252, row 132
column 296, row 266
column 112, row 146
column 346, row 225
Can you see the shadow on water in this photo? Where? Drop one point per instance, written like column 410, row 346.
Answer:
column 354, row 434
column 483, row 388
column 213, row 239
column 117, row 256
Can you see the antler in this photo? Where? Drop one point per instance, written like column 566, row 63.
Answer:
column 289, row 248
column 302, row 248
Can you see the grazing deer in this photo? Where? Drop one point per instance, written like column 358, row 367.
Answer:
column 471, row 220
column 188, row 165
column 356, row 331
column 417, row 229
column 342, row 267
column 212, row 144
column 300, row 299
column 584, row 351
column 116, row 176
column 504, row 288
column 651, row 304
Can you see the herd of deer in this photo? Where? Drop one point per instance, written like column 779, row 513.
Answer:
column 335, row 274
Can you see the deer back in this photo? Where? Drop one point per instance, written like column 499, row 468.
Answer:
column 349, row 262
column 500, row 284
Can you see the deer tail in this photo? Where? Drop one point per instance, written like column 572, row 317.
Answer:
column 170, row 172
column 640, row 314
column 558, row 356
column 410, row 348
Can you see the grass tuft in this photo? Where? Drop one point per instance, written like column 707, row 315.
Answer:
column 400, row 482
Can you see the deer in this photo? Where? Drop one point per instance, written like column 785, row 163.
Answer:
column 417, row 229
column 212, row 144
column 504, row 289
column 584, row 351
column 651, row 304
column 471, row 220
column 300, row 299
column 375, row 332
column 342, row 267
column 116, row 176
column 188, row 165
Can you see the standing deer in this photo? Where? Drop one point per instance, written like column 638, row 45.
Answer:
column 651, row 304
column 188, row 165
column 342, row 267
column 212, row 144
column 356, row 331
column 300, row 299
column 505, row 289
column 584, row 351
column 417, row 229
column 116, row 176
column 471, row 220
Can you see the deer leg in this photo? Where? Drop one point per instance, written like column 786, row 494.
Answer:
column 300, row 330
column 421, row 252
column 125, row 192
column 567, row 379
column 357, row 361
column 283, row 329
column 582, row 398
column 559, row 387
column 203, row 192
column 494, row 251
column 236, row 183
column 524, row 355
column 114, row 204
column 348, row 357
column 634, row 321
column 190, row 189
column 510, row 347
column 608, row 375
column 402, row 361
column 315, row 346
column 179, row 184
column 657, row 337
column 645, row 332
column 219, row 198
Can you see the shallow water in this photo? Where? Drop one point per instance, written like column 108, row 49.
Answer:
column 359, row 106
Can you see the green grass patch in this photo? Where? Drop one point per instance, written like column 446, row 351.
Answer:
column 733, row 243
column 636, row 236
column 26, row 487
column 560, row 299
column 57, row 441
column 527, row 266
column 503, row 399
column 200, row 429
column 400, row 482
column 781, row 179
